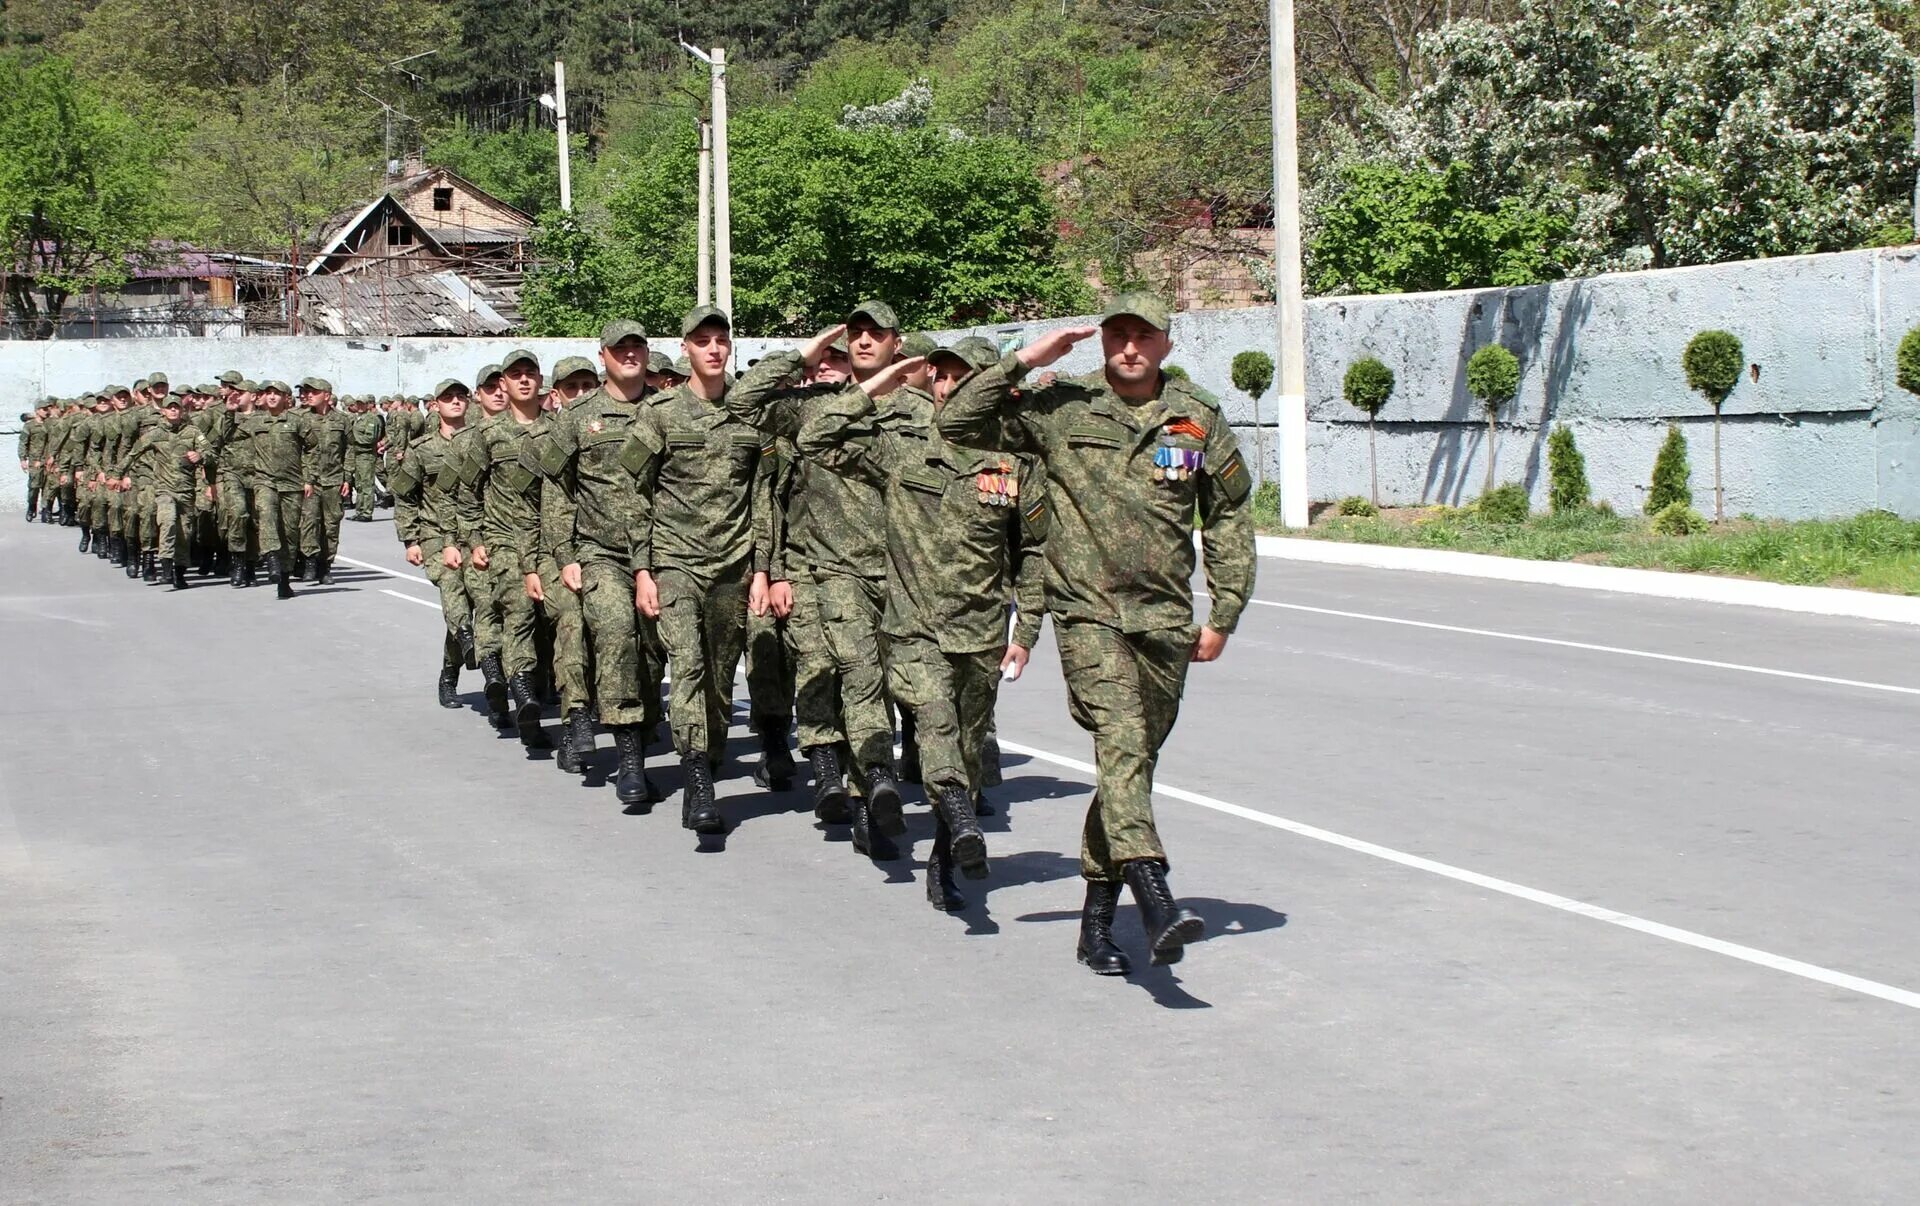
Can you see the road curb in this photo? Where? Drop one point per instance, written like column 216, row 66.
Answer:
column 1699, row 588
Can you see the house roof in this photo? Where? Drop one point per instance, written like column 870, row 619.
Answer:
column 340, row 241
column 428, row 303
column 340, row 224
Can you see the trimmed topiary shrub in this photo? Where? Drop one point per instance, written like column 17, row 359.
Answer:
column 1493, row 376
column 1174, row 372
column 1368, row 385
column 1252, row 374
column 1713, row 362
column 1505, row 504
column 1679, row 519
column 1354, row 505
column 1908, row 362
column 1670, row 474
column 1567, row 472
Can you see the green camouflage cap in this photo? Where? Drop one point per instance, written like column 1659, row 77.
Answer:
column 157, row 379
column 880, row 312
column 208, row 390
column 681, row 367
column 248, row 387
column 276, row 387
column 487, row 373
column 917, row 344
column 974, row 351
column 516, row 356
column 701, row 315
column 231, row 377
column 659, row 362
column 839, row 345
column 91, row 400
column 1147, row 307
column 450, row 386
column 621, row 328
column 317, row 383
column 569, row 365
column 177, row 399
column 140, row 383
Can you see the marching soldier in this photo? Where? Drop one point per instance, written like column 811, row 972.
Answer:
column 363, row 442
column 279, row 479
column 323, row 458
column 425, row 485
column 574, row 377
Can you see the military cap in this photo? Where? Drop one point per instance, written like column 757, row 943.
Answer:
column 880, row 312
column 157, row 379
column 917, row 344
column 839, row 345
column 90, row 399
column 699, row 316
column 450, row 386
column 974, row 351
column 621, row 328
column 247, row 386
column 1147, row 307
column 659, row 362
column 173, row 400
column 317, row 383
column 276, row 387
column 516, row 356
column 487, row 373
column 231, row 377
column 681, row 367
column 208, row 390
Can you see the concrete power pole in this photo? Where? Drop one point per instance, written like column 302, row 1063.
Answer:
column 704, row 281
column 722, row 210
column 1289, row 295
column 560, row 123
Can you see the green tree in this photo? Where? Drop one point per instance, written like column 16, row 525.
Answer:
column 1566, row 471
column 1493, row 376
column 519, row 165
column 1670, row 474
column 76, row 189
column 1409, row 230
column 1907, row 362
column 1252, row 372
column 1713, row 361
column 1368, row 385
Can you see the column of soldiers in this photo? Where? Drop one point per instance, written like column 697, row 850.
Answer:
column 875, row 525
column 224, row 479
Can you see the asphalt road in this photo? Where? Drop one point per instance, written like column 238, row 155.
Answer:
column 1514, row 921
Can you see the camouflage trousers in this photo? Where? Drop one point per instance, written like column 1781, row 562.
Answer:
column 143, row 517
column 770, row 671
column 456, row 606
column 276, row 519
column 205, row 527
column 848, row 616
column 117, row 505
column 703, row 627
column 320, row 514
column 627, row 665
column 951, row 697
column 364, row 490
column 93, row 503
column 173, row 524
column 510, row 614
column 236, row 514
column 1124, row 688
column 570, row 651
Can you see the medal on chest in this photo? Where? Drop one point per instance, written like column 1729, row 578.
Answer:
column 998, row 488
column 1175, row 464
column 596, row 427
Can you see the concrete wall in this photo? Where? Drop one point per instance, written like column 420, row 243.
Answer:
column 1823, row 431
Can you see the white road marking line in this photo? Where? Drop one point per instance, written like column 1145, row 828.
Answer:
column 1732, row 950
column 410, row 598
column 380, row 569
column 1613, row 649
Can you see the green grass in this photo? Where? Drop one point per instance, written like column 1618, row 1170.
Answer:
column 1872, row 551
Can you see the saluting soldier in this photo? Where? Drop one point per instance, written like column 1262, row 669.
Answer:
column 1132, row 457
column 171, row 455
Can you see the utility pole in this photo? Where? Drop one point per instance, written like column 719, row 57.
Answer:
column 1289, row 295
column 716, row 61
column 560, row 123
column 704, row 284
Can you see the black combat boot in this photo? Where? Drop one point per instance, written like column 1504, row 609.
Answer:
column 326, row 572
column 116, row 550
column 307, row 569
column 222, row 563
column 526, row 711
column 867, row 837
column 775, row 772
column 829, row 788
column 969, row 846
column 699, row 811
column 883, row 800
column 1169, row 927
column 941, row 892
column 236, row 571
column 46, row 510
column 496, row 687
column 467, row 650
column 102, row 544
column 282, row 587
column 150, row 565
column 250, row 575
column 576, row 742
column 1097, row 949
column 132, row 562
column 175, row 573
column 982, row 807
column 631, row 786
column 86, row 539
column 909, row 748
column 450, row 686
column 990, row 762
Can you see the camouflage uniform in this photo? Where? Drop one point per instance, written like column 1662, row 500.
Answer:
column 770, row 661
column 233, row 437
column 363, row 442
column 426, row 483
column 33, row 452
column 159, row 458
column 700, row 530
column 278, row 475
column 1120, row 563
column 323, row 441
column 592, row 524
column 499, row 509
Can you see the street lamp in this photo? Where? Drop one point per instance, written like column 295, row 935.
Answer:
column 716, row 60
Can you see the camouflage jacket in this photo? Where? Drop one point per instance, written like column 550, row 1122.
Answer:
column 426, row 485
column 702, row 474
column 323, row 447
column 33, row 441
column 833, row 522
column 499, row 499
column 1120, row 552
column 966, row 528
column 364, row 432
column 278, row 453
column 578, row 450
column 159, row 456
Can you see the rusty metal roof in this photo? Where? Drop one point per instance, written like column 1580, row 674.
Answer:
column 427, row 303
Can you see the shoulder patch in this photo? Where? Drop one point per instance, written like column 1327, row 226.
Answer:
column 1233, row 477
